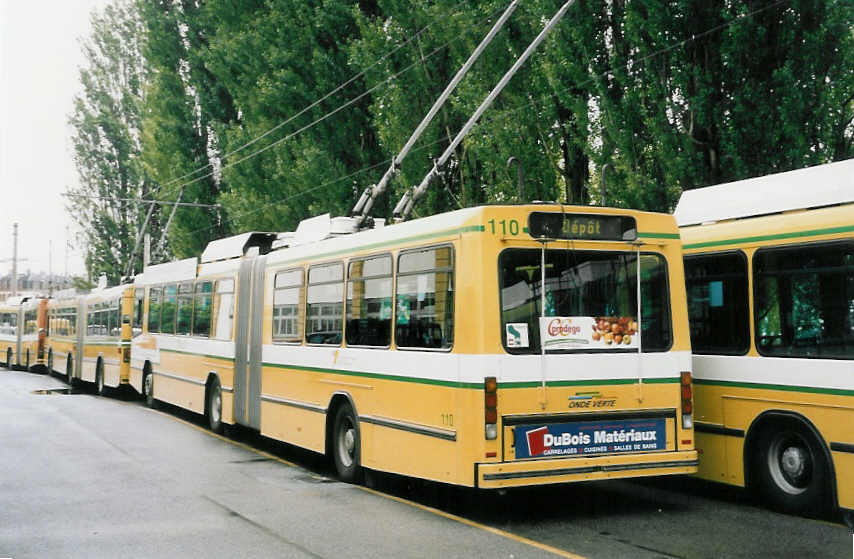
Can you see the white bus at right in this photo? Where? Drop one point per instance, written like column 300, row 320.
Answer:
column 769, row 267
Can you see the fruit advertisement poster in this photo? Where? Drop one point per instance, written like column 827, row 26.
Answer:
column 589, row 332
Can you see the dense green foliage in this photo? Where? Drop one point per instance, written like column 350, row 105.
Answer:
column 239, row 104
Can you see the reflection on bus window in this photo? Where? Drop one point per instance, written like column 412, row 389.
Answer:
column 325, row 304
column 717, row 303
column 805, row 301
column 287, row 295
column 369, row 296
column 223, row 309
column 425, row 299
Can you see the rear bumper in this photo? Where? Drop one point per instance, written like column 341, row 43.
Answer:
column 565, row 470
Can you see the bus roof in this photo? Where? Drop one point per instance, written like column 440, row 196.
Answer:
column 822, row 185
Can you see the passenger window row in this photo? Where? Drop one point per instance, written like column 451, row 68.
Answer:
column 359, row 309
column 803, row 301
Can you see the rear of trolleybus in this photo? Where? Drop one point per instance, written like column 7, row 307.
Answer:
column 592, row 379
column 30, row 336
column 9, row 335
column 770, row 274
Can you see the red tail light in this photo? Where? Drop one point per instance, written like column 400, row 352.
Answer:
column 687, row 400
column 490, row 406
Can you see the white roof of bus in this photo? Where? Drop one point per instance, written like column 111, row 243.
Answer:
column 400, row 231
column 180, row 270
column 822, row 185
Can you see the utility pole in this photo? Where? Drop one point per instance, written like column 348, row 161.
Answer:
column 14, row 259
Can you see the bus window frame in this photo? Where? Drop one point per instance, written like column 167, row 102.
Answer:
column 668, row 307
column 301, row 304
column 195, row 293
column 748, row 271
column 393, row 276
column 755, row 291
column 397, row 274
column 308, row 284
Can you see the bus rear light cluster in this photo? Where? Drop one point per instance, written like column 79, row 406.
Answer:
column 687, row 400
column 126, row 354
column 490, row 407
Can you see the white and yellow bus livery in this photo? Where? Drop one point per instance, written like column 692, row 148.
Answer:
column 488, row 347
column 770, row 278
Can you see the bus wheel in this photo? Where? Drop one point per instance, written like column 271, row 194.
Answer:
column 214, row 407
column 9, row 359
column 792, row 470
column 345, row 444
column 848, row 518
column 27, row 364
column 50, row 362
column 100, row 389
column 69, row 371
column 148, row 389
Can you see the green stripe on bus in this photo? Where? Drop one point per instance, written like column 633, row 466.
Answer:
column 783, row 387
column 476, row 385
column 659, row 235
column 775, row 237
column 198, row 354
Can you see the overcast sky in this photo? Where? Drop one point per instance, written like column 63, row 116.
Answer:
column 39, row 58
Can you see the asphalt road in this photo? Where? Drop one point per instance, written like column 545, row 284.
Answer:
column 82, row 476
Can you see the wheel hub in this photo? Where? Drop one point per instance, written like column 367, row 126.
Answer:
column 793, row 462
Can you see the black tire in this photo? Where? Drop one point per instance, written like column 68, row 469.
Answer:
column 148, row 389
column 27, row 362
column 69, row 371
column 346, row 451
column 214, row 406
column 848, row 518
column 9, row 358
column 100, row 388
column 50, row 362
column 792, row 469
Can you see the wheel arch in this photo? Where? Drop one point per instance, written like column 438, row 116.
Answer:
column 766, row 420
column 337, row 400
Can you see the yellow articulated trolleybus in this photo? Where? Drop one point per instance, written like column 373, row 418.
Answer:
column 770, row 279
column 430, row 348
column 22, row 333
column 91, row 335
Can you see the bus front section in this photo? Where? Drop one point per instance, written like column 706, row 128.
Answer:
column 595, row 379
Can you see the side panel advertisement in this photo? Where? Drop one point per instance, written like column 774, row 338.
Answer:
column 590, row 437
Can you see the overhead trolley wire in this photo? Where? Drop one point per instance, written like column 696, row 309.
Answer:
column 290, row 119
column 508, row 112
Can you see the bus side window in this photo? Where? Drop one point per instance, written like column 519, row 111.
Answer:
column 325, row 304
column 223, row 309
column 287, row 312
column 805, row 300
column 136, row 325
column 369, row 302
column 167, row 309
column 425, row 299
column 184, row 311
column 717, row 303
column 154, row 297
column 202, row 309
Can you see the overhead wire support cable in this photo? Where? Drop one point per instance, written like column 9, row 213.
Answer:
column 144, row 201
column 307, row 108
column 407, row 201
column 362, row 209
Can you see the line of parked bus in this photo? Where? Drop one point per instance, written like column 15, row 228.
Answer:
column 504, row 346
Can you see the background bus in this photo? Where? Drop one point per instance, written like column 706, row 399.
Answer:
column 23, row 322
column 415, row 348
column 770, row 275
